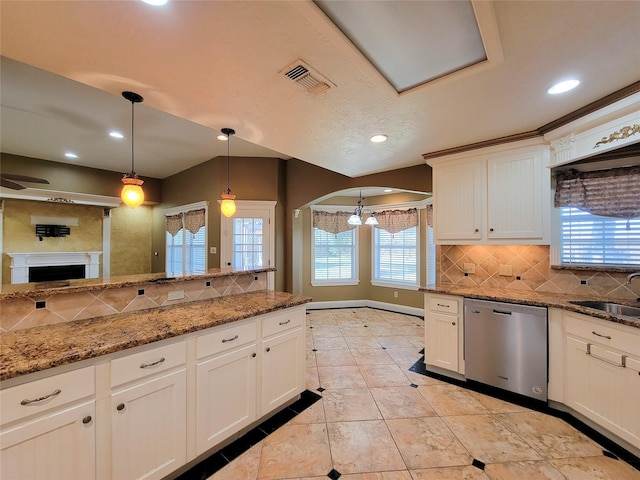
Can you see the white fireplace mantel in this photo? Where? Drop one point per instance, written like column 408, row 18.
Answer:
column 20, row 263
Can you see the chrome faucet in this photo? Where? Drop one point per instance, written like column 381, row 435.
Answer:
column 632, row 275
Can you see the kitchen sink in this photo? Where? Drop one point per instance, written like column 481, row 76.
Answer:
column 610, row 307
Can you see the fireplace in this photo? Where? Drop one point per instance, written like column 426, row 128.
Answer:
column 50, row 266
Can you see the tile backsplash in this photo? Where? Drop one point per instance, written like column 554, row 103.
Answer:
column 531, row 270
column 26, row 312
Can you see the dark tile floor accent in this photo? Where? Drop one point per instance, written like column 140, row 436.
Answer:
column 221, row 458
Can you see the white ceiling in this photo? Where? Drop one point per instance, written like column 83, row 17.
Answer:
column 219, row 64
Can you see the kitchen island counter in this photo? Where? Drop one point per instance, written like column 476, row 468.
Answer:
column 40, row 348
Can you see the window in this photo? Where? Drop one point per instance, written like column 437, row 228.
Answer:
column 334, row 257
column 395, row 257
column 431, row 257
column 587, row 239
column 186, row 239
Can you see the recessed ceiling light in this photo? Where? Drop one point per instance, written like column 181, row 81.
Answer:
column 222, row 138
column 70, row 155
column 563, row 86
column 115, row 134
column 379, row 138
column 388, row 190
column 155, row 3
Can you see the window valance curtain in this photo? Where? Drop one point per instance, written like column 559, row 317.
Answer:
column 193, row 220
column 608, row 193
column 394, row 221
column 429, row 211
column 332, row 222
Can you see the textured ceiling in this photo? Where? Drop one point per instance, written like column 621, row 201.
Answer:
column 219, row 64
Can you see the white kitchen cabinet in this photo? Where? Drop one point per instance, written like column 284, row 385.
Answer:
column 226, row 397
column 283, row 358
column 148, row 415
column 498, row 195
column 443, row 332
column 601, row 374
column 48, row 428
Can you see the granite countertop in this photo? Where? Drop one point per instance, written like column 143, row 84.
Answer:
column 92, row 284
column 541, row 299
column 39, row 348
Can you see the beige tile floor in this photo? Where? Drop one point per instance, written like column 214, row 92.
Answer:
column 378, row 421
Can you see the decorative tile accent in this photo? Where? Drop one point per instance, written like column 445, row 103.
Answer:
column 531, row 272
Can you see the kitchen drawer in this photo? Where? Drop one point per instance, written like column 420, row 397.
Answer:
column 444, row 304
column 280, row 322
column 149, row 362
column 226, row 337
column 46, row 394
column 599, row 332
column 633, row 364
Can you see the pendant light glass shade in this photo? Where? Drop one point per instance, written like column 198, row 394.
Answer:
column 372, row 220
column 228, row 206
column 132, row 194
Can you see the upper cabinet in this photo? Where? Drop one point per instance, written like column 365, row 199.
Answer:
column 609, row 128
column 495, row 195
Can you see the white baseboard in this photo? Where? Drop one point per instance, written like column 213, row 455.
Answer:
column 391, row 307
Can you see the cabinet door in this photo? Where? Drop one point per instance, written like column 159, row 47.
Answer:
column 226, row 396
column 595, row 385
column 441, row 341
column 148, row 426
column 283, row 360
column 515, row 196
column 458, row 201
column 58, row 445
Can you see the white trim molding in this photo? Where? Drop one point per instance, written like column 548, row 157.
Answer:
column 390, row 307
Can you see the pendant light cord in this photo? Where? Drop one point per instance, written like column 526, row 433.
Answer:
column 132, row 137
column 228, row 164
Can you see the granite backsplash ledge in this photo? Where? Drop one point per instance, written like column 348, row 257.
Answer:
column 531, row 271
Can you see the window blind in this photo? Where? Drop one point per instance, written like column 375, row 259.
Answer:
column 588, row 239
column 396, row 256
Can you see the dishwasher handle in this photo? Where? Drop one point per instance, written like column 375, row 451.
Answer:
column 501, row 312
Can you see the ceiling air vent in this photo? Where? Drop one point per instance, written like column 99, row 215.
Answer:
column 307, row 78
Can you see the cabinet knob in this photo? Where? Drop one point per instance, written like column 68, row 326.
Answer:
column 476, row 230
column 453, row 323
column 120, row 407
column 86, row 419
column 268, row 349
column 491, row 229
column 254, row 354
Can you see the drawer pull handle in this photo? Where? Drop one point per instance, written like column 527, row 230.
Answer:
column 152, row 364
column 225, row 340
column 120, row 407
column 86, row 419
column 600, row 335
column 623, row 358
column 57, row 391
column 284, row 323
column 442, row 305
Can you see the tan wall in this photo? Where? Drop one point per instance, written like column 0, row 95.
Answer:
column 19, row 234
column 251, row 179
column 130, row 240
column 65, row 177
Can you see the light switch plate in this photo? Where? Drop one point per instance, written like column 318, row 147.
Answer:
column 506, row 270
column 468, row 268
column 175, row 295
column 213, row 250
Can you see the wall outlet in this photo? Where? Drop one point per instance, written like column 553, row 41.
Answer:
column 469, row 268
column 175, row 295
column 395, row 294
column 506, row 270
column 213, row 250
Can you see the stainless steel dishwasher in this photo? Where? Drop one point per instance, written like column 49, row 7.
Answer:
column 505, row 345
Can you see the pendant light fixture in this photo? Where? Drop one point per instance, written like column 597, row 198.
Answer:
column 228, row 206
column 356, row 218
column 132, row 194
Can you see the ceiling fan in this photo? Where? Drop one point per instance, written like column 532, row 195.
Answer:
column 7, row 180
